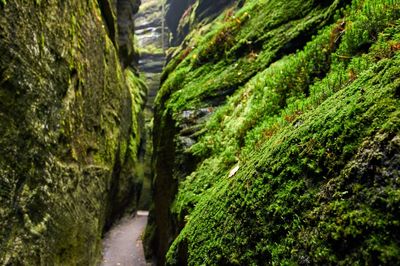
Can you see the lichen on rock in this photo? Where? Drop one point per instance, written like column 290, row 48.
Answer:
column 67, row 153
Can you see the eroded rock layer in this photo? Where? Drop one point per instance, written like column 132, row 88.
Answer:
column 152, row 40
column 69, row 133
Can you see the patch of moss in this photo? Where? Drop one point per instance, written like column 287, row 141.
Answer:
column 300, row 142
column 307, row 194
column 248, row 53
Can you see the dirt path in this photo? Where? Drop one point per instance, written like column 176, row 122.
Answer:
column 123, row 245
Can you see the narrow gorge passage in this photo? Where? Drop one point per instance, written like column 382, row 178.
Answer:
column 123, row 244
column 271, row 137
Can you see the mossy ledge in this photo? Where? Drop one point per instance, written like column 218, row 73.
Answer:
column 69, row 113
column 277, row 137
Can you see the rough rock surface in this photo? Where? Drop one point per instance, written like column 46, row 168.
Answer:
column 69, row 131
column 151, row 44
column 276, row 136
column 149, row 32
column 183, row 15
column 152, row 41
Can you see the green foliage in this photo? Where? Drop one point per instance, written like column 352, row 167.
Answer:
column 315, row 135
column 234, row 49
column 306, row 191
column 362, row 29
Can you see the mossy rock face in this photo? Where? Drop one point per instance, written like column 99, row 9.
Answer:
column 67, row 121
column 151, row 43
column 183, row 15
column 285, row 145
column 175, row 9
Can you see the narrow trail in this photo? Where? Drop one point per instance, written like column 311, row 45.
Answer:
column 122, row 245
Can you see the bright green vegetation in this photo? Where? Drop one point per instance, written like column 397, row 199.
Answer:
column 68, row 132
column 306, row 108
column 234, row 49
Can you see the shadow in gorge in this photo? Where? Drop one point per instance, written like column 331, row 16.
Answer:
column 148, row 32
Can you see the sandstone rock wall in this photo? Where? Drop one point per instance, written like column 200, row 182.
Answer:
column 69, row 133
column 151, row 46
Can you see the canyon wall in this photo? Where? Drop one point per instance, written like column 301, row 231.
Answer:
column 276, row 134
column 152, row 40
column 70, row 103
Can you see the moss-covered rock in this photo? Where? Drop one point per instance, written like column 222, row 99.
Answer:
column 184, row 15
column 284, row 145
column 68, row 134
column 151, row 43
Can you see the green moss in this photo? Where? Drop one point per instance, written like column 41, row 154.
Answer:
column 313, row 136
column 67, row 113
column 308, row 204
column 138, row 91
